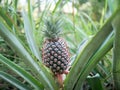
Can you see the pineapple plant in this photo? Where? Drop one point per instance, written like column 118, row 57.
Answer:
column 55, row 53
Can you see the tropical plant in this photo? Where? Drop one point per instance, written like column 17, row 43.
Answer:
column 90, row 56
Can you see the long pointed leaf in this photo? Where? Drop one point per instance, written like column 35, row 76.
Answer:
column 21, row 72
column 7, row 18
column 106, row 46
column 29, row 35
column 57, row 4
column 45, row 78
column 116, row 52
column 13, row 81
column 87, row 53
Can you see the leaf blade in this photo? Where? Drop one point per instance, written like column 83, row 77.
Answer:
column 13, row 81
column 29, row 35
column 21, row 72
column 82, row 59
column 40, row 70
column 106, row 46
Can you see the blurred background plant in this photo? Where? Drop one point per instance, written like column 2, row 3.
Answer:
column 83, row 21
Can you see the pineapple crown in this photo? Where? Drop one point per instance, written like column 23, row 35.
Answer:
column 52, row 27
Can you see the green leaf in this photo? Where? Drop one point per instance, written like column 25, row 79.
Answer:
column 7, row 19
column 30, row 79
column 95, row 82
column 13, row 81
column 56, row 6
column 90, row 20
column 30, row 11
column 29, row 35
column 106, row 46
column 82, row 34
column 84, row 56
column 48, row 5
column 116, row 52
column 113, row 5
column 39, row 70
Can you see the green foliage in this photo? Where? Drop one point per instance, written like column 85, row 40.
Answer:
column 116, row 55
column 89, row 34
column 53, row 27
column 14, row 81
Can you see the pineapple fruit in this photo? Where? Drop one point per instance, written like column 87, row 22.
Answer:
column 55, row 53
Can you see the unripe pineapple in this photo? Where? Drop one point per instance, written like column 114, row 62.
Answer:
column 55, row 53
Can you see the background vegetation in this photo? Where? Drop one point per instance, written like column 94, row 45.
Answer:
column 90, row 28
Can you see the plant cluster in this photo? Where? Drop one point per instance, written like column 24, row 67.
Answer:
column 36, row 55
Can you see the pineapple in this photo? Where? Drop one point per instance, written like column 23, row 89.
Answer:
column 55, row 53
